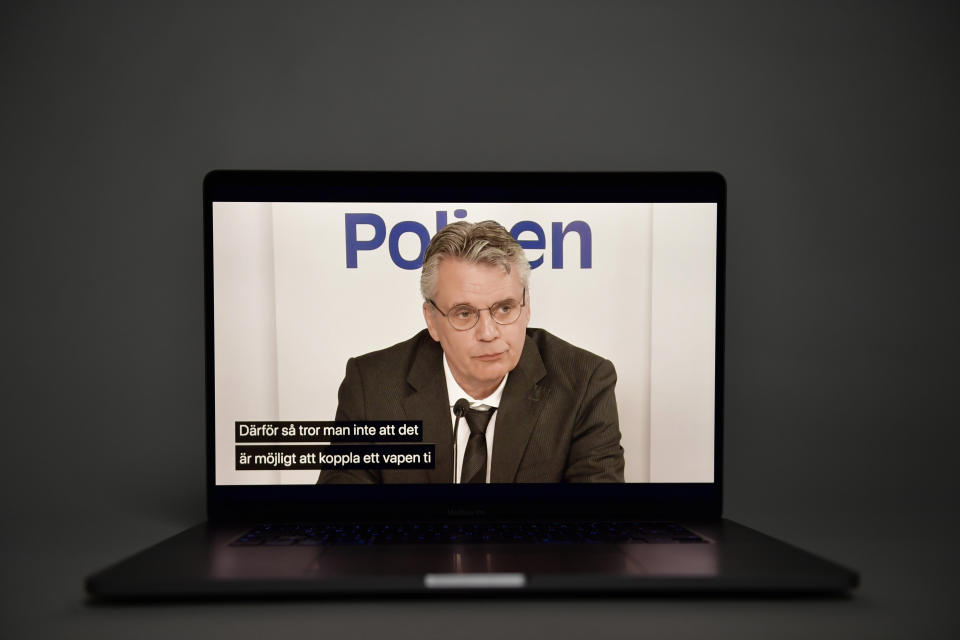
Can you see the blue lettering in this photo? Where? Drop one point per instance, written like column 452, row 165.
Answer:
column 586, row 243
column 353, row 220
column 539, row 243
column 399, row 230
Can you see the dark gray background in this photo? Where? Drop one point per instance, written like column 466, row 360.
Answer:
column 835, row 124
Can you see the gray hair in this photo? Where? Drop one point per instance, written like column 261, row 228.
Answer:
column 486, row 242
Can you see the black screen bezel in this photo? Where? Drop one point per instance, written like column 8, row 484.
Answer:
column 644, row 500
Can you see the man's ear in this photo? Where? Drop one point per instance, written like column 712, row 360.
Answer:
column 430, row 318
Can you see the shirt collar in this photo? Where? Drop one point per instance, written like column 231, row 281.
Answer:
column 456, row 392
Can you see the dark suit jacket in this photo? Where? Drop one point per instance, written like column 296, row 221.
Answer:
column 557, row 420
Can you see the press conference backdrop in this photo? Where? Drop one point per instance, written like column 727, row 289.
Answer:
column 302, row 287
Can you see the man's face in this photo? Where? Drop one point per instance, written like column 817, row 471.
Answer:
column 481, row 356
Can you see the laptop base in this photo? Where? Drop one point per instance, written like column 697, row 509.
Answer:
column 201, row 563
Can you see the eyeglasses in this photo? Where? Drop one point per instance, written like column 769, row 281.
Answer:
column 463, row 317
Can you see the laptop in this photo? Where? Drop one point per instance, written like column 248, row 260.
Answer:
column 445, row 382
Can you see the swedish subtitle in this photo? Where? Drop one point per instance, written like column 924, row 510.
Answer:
column 330, row 431
column 337, row 456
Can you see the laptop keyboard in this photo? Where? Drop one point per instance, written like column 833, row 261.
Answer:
column 483, row 533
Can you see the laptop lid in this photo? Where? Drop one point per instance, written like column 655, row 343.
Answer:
column 306, row 270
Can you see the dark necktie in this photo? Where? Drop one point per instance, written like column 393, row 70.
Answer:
column 475, row 455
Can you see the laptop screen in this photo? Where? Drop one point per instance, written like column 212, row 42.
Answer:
column 336, row 360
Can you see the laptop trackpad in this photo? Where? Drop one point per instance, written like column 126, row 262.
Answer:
column 457, row 559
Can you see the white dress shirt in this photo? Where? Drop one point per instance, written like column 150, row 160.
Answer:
column 454, row 393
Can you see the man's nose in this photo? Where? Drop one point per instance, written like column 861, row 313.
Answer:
column 487, row 328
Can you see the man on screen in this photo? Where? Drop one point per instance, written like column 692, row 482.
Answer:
column 532, row 407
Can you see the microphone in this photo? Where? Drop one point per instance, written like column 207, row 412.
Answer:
column 459, row 409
